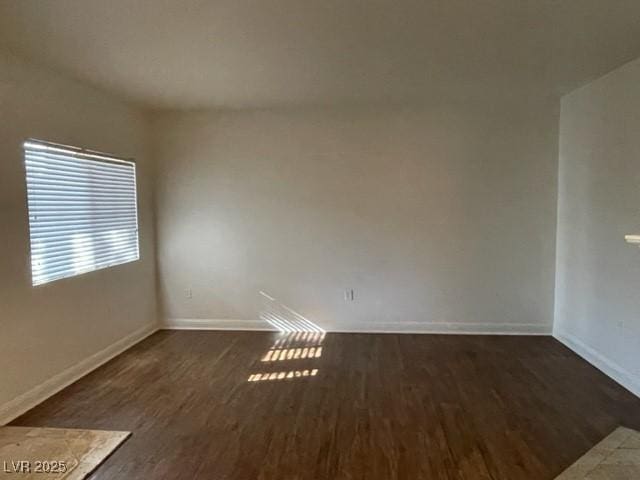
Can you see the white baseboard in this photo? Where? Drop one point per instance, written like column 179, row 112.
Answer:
column 610, row 368
column 215, row 324
column 449, row 328
column 355, row 327
column 19, row 405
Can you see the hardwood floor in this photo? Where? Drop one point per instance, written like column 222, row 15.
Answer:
column 368, row 407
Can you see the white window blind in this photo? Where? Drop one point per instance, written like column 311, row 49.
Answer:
column 82, row 210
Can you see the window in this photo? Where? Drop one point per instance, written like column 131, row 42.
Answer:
column 82, row 210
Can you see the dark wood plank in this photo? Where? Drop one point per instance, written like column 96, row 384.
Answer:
column 379, row 407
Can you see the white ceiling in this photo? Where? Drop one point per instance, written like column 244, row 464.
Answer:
column 254, row 53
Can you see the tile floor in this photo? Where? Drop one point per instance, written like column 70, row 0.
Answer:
column 617, row 457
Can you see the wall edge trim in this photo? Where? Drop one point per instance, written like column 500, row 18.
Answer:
column 382, row 327
column 36, row 395
column 603, row 363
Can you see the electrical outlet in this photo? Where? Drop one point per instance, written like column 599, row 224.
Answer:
column 349, row 295
column 188, row 293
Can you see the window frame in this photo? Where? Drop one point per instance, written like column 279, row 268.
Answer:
column 88, row 155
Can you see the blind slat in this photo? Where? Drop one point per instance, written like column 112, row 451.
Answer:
column 62, row 233
column 71, row 209
column 84, row 227
column 70, row 201
column 84, row 258
column 62, row 218
column 70, row 271
column 54, row 195
column 83, row 213
column 71, row 180
column 77, row 162
column 43, row 165
column 44, row 250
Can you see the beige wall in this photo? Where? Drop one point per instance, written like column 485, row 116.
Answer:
column 439, row 218
column 48, row 329
column 598, row 275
